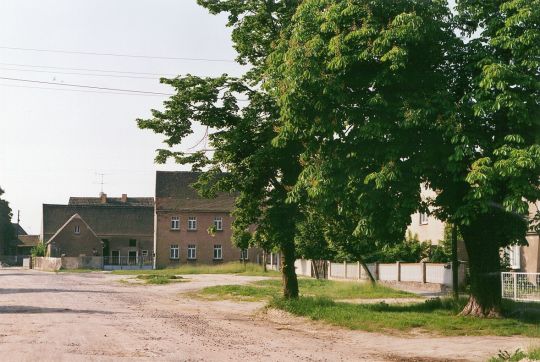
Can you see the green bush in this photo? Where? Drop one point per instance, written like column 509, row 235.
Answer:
column 39, row 250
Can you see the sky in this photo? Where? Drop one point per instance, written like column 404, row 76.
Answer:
column 56, row 140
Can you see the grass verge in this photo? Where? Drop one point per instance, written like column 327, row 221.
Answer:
column 268, row 289
column 226, row 268
column 435, row 316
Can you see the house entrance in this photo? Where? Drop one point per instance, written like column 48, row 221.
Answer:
column 132, row 257
column 115, row 254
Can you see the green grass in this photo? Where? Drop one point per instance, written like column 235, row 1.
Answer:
column 226, row 268
column 533, row 354
column 159, row 279
column 267, row 289
column 436, row 316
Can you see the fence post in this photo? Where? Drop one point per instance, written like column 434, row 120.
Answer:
column 345, row 269
column 329, row 269
column 376, row 270
column 424, row 278
column 398, row 265
column 515, row 286
column 359, row 271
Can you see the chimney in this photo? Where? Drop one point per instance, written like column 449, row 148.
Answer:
column 124, row 198
column 103, row 198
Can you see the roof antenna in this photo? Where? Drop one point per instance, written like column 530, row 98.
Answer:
column 102, row 182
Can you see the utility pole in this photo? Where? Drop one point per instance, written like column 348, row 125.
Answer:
column 455, row 263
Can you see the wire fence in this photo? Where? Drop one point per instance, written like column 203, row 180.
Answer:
column 521, row 286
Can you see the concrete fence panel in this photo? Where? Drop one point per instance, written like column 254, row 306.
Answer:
column 337, row 270
column 412, row 272
column 303, row 267
column 388, row 272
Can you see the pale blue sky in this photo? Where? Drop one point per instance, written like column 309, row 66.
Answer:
column 52, row 143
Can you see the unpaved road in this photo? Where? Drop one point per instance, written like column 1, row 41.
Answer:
column 94, row 317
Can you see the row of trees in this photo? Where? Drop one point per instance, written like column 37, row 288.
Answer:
column 349, row 107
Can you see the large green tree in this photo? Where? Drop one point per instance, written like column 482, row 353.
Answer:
column 243, row 120
column 7, row 233
column 384, row 97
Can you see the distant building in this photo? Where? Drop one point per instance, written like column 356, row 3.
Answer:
column 182, row 220
column 117, row 228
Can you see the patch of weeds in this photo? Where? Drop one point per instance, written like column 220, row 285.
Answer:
column 533, row 354
column 160, row 279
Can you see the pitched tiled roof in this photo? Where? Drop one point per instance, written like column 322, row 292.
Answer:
column 103, row 219
column 28, row 240
column 17, row 228
column 174, row 192
column 112, row 201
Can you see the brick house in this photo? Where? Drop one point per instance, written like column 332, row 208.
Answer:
column 182, row 220
column 123, row 226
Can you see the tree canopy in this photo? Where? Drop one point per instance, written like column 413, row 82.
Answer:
column 7, row 233
column 385, row 97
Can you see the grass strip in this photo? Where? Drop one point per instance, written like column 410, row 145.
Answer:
column 438, row 316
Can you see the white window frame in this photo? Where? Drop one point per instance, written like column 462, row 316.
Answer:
column 77, row 229
column 174, row 252
column 192, row 223
column 175, row 222
column 244, row 254
column 218, row 223
column 424, row 218
column 218, row 252
column 514, row 255
column 192, row 252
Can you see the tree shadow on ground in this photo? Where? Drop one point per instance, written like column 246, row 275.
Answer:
column 24, row 309
column 51, row 290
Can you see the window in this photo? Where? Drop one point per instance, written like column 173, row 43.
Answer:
column 175, row 252
column 514, row 256
column 77, row 229
column 192, row 252
column 175, row 223
column 192, row 223
column 218, row 223
column 218, row 252
column 423, row 218
column 244, row 254
column 132, row 243
column 144, row 253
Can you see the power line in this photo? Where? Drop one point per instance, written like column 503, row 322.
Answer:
column 86, row 69
column 86, row 86
column 116, row 54
column 78, row 73
column 76, row 90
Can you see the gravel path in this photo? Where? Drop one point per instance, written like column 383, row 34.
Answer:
column 95, row 317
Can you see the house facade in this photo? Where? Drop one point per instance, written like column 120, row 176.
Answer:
column 119, row 229
column 522, row 258
column 183, row 220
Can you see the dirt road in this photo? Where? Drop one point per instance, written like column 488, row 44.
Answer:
column 72, row 317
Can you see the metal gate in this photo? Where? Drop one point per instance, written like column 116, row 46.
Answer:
column 521, row 286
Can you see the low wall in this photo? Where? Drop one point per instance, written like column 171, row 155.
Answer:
column 47, row 264
column 82, row 262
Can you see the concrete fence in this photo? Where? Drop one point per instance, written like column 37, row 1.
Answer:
column 425, row 273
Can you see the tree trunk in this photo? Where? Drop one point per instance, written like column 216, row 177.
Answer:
column 368, row 272
column 264, row 261
column 315, row 264
column 290, row 282
column 484, row 269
